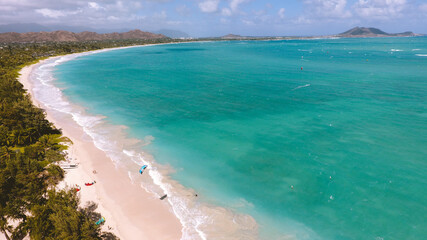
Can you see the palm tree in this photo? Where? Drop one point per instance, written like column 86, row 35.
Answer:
column 53, row 141
column 6, row 153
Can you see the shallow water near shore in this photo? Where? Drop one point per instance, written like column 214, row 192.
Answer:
column 315, row 139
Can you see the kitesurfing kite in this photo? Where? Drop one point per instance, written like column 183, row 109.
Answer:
column 142, row 169
column 90, row 184
column 101, row 220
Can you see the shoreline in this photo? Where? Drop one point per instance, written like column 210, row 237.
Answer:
column 107, row 149
column 132, row 212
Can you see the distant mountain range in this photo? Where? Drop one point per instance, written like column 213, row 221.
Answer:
column 33, row 27
column 66, row 36
column 173, row 33
column 232, row 36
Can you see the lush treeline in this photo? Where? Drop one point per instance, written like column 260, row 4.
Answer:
column 30, row 145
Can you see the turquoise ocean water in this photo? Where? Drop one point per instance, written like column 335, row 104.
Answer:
column 335, row 150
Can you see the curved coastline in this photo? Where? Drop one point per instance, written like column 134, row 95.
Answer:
column 179, row 216
column 115, row 202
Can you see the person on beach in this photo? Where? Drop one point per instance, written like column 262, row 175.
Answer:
column 78, row 188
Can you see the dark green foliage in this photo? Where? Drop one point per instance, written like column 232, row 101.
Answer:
column 25, row 123
column 22, row 184
column 60, row 218
column 108, row 236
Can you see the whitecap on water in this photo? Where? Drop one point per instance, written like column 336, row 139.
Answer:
column 302, row 86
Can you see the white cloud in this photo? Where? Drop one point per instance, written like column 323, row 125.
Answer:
column 7, row 8
column 261, row 16
column 176, row 23
column 248, row 22
column 120, row 6
column 260, row 12
column 234, row 4
column 18, row 3
column 183, row 10
column 46, row 12
column 209, row 6
column 380, row 9
column 94, row 5
column 113, row 18
column 233, row 7
column 160, row 15
column 80, row 13
column 159, row 1
column 327, row 8
column 136, row 5
column 281, row 13
column 226, row 12
column 303, row 20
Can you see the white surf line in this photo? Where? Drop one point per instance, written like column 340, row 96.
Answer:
column 302, row 86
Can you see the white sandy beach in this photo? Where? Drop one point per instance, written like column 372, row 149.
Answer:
column 129, row 210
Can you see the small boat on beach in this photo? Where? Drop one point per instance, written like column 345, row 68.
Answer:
column 69, row 166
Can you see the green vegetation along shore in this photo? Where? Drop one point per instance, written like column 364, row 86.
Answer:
column 30, row 145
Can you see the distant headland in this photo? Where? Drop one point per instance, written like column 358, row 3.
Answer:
column 356, row 32
column 374, row 32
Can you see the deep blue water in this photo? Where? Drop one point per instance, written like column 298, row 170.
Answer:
column 338, row 147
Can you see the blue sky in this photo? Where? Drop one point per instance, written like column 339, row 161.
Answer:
column 201, row 18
